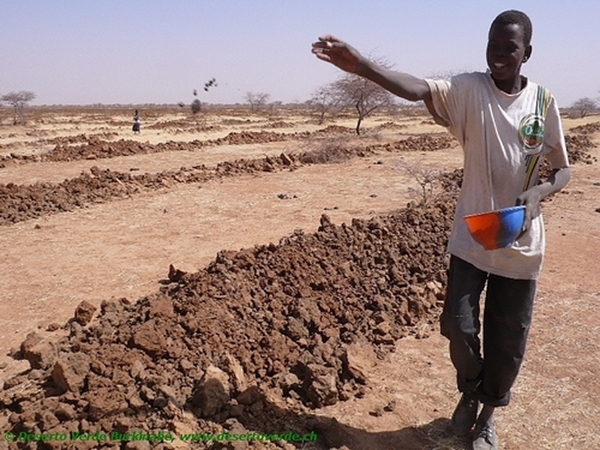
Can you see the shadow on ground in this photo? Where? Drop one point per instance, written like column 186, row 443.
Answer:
column 331, row 434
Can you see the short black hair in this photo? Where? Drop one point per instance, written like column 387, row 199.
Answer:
column 514, row 17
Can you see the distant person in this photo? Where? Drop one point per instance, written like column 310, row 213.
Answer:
column 505, row 123
column 136, row 122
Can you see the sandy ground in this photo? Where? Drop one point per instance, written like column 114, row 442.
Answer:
column 123, row 249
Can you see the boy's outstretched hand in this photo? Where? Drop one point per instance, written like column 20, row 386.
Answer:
column 337, row 52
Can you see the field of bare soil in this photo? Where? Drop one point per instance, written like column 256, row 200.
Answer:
column 220, row 279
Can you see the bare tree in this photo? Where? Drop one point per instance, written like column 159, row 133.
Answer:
column 256, row 101
column 584, row 106
column 364, row 95
column 18, row 100
column 275, row 107
column 323, row 101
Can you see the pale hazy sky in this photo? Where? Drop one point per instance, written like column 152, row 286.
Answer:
column 135, row 52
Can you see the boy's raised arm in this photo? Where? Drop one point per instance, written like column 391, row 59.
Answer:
column 347, row 58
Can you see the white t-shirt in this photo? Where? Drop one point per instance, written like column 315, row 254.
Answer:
column 503, row 137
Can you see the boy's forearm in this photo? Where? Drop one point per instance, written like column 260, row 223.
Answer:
column 401, row 84
column 532, row 197
column 557, row 180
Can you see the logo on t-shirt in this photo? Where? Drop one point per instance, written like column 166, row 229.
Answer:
column 531, row 133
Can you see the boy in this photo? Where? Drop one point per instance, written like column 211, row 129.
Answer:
column 505, row 123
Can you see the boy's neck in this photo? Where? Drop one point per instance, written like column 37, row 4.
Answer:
column 512, row 86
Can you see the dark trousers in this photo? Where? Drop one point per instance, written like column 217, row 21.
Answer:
column 506, row 320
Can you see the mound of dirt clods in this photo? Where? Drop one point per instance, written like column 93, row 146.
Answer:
column 578, row 151
column 92, row 147
column 578, row 147
column 251, row 342
column 588, row 128
column 422, row 143
column 24, row 202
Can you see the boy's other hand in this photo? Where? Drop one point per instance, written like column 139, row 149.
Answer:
column 337, row 52
column 531, row 199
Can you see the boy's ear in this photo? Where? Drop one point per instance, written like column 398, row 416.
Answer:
column 528, row 51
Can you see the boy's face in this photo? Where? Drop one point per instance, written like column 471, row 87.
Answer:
column 506, row 52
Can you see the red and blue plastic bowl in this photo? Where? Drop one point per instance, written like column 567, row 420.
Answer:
column 496, row 229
